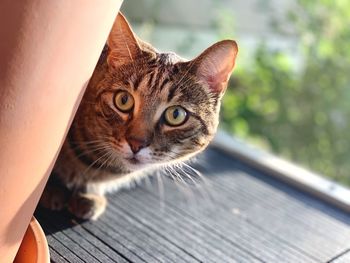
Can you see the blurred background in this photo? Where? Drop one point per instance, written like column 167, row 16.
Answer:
column 290, row 91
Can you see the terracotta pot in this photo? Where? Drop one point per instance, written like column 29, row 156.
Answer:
column 48, row 51
column 34, row 248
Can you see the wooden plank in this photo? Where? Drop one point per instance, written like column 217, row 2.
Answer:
column 342, row 258
column 237, row 232
column 113, row 249
column 56, row 257
column 62, row 223
column 81, row 240
column 114, row 240
column 298, row 218
column 76, row 248
column 137, row 247
column 158, row 245
column 56, row 245
column 329, row 191
column 239, row 215
column 94, row 241
column 195, row 239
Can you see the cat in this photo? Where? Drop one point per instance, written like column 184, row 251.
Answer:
column 141, row 110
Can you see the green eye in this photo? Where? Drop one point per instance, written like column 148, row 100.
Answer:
column 175, row 115
column 124, row 101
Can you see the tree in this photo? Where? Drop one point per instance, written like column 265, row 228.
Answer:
column 300, row 113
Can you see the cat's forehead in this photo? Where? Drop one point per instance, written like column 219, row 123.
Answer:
column 163, row 64
column 162, row 78
column 166, row 79
column 155, row 75
column 169, row 58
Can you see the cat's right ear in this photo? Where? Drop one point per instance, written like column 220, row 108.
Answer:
column 214, row 66
column 122, row 43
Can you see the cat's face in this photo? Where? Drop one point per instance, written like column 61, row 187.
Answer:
column 151, row 108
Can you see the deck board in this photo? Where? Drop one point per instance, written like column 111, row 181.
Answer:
column 235, row 214
column 342, row 258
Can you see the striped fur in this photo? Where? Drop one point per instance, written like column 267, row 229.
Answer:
column 96, row 154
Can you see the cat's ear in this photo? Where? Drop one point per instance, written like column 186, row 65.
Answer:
column 122, row 42
column 215, row 65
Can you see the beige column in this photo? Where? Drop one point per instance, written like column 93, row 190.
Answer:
column 48, row 50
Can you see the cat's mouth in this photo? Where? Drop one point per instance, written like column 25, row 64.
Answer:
column 133, row 160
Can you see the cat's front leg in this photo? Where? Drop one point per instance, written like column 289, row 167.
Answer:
column 87, row 205
column 55, row 196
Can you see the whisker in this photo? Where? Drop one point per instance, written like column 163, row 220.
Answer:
column 94, row 162
column 185, row 190
column 205, row 190
column 93, row 150
column 105, row 162
column 195, row 172
column 88, row 142
column 160, row 190
column 186, row 174
column 205, row 187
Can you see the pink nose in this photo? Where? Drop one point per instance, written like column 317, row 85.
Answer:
column 136, row 144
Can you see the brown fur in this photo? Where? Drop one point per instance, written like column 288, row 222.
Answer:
column 97, row 152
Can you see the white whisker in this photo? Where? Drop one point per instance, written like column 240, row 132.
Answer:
column 160, row 190
column 97, row 160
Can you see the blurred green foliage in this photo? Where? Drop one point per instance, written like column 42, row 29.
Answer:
column 301, row 113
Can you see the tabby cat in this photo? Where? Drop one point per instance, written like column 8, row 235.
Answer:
column 142, row 110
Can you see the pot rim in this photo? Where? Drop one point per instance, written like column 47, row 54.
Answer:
column 35, row 231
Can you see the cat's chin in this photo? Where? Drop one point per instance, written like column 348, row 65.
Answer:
column 134, row 164
column 134, row 161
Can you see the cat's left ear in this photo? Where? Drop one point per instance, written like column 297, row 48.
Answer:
column 122, row 42
column 215, row 65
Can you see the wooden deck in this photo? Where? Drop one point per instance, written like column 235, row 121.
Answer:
column 238, row 214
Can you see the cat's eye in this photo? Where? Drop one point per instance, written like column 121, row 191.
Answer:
column 124, row 101
column 175, row 115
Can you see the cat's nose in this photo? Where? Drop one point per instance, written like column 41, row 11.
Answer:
column 136, row 144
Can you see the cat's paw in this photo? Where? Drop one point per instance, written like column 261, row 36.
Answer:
column 54, row 198
column 87, row 206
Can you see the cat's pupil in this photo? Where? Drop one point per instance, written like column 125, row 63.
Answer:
column 125, row 99
column 176, row 113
